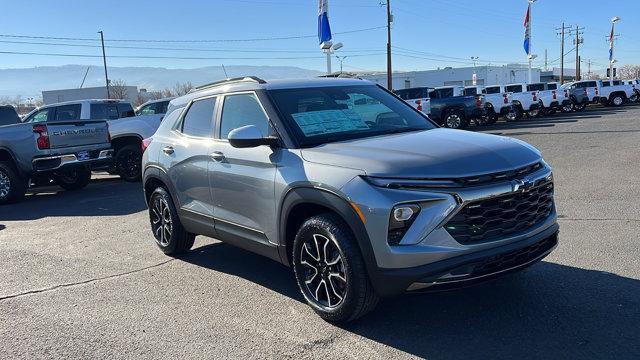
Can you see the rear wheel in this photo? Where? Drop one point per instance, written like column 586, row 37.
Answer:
column 567, row 108
column 634, row 98
column 74, row 179
column 489, row 118
column 12, row 186
column 514, row 114
column 170, row 236
column 534, row 113
column 129, row 163
column 330, row 271
column 455, row 120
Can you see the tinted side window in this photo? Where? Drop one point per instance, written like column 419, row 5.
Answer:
column 514, row 88
column 535, row 87
column 492, row 90
column 147, row 110
column 68, row 112
column 471, row 91
column 552, row 86
column 433, row 94
column 402, row 94
column 104, row 111
column 242, row 110
column 198, row 121
column 445, row 93
column 8, row 116
column 591, row 84
column 125, row 110
column 616, row 82
column 40, row 116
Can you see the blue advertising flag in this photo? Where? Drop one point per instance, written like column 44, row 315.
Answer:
column 324, row 30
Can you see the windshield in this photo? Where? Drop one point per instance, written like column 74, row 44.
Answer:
column 328, row 114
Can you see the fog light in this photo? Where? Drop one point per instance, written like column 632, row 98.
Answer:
column 400, row 221
column 403, row 213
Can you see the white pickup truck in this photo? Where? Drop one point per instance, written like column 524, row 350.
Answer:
column 635, row 84
column 127, row 130
column 614, row 93
column 526, row 101
column 551, row 98
column 497, row 104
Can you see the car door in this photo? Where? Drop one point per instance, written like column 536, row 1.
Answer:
column 242, row 179
column 186, row 155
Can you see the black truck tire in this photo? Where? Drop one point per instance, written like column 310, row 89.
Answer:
column 12, row 186
column 74, row 179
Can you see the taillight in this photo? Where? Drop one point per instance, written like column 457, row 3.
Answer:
column 596, row 91
column 145, row 144
column 566, row 93
column 505, row 98
column 43, row 136
column 478, row 101
column 554, row 95
column 585, row 92
column 535, row 96
column 419, row 105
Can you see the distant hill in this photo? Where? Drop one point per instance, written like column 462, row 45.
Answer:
column 31, row 81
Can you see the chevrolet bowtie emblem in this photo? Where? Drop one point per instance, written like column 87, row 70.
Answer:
column 521, row 185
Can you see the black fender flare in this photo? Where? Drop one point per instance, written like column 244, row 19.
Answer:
column 337, row 204
column 152, row 172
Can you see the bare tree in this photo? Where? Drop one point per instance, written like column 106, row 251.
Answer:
column 139, row 100
column 155, row 95
column 167, row 92
column 182, row 88
column 629, row 72
column 592, row 76
column 117, row 89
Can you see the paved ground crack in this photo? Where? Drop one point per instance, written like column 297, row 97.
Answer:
column 89, row 281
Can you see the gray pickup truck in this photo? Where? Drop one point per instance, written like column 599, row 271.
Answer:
column 61, row 151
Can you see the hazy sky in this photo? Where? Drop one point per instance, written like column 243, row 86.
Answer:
column 426, row 33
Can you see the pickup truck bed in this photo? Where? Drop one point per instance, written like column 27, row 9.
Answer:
column 39, row 153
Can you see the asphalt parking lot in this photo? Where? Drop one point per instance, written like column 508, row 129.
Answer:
column 80, row 277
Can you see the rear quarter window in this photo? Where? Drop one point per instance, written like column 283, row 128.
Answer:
column 514, row 88
column 492, row 90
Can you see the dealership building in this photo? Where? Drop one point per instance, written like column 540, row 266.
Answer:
column 485, row 75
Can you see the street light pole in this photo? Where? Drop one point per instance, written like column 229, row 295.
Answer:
column 104, row 60
column 475, row 75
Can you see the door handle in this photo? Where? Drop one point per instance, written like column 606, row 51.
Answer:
column 168, row 150
column 217, row 155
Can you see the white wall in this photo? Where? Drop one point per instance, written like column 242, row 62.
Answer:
column 56, row 96
column 486, row 75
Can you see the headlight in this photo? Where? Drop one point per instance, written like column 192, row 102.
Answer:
column 402, row 216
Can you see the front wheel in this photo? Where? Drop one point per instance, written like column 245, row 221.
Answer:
column 567, row 108
column 579, row 106
column 129, row 163
column 330, row 271
column 534, row 113
column 170, row 236
column 514, row 114
column 75, row 179
column 617, row 100
column 489, row 118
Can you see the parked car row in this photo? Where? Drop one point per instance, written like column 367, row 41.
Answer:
column 62, row 143
column 456, row 106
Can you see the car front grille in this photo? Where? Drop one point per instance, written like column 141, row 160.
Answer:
column 500, row 176
column 494, row 218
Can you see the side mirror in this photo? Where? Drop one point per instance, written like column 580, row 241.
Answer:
column 250, row 136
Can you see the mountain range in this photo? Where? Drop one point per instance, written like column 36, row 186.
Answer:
column 30, row 82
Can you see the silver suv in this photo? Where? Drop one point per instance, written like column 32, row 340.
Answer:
column 362, row 195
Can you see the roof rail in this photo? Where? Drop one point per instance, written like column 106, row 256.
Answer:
column 231, row 80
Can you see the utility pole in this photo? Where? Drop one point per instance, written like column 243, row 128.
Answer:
column 546, row 67
column 104, row 60
column 389, row 21
column 562, row 33
column 577, row 42
column 612, row 37
column 589, row 69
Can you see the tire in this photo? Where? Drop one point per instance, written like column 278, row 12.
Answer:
column 617, row 100
column 634, row 98
column 169, row 234
column 579, row 107
column 514, row 115
column 455, row 120
column 490, row 118
column 128, row 162
column 349, row 294
column 12, row 186
column 567, row 108
column 74, row 179
column 550, row 112
column 534, row 113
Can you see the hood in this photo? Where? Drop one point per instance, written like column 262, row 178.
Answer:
column 437, row 153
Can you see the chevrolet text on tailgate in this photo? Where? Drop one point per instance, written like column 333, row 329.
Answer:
column 359, row 193
column 37, row 153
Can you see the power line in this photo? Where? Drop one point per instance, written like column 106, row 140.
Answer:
column 188, row 41
column 173, row 57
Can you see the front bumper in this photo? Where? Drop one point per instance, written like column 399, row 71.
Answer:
column 467, row 269
column 57, row 162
